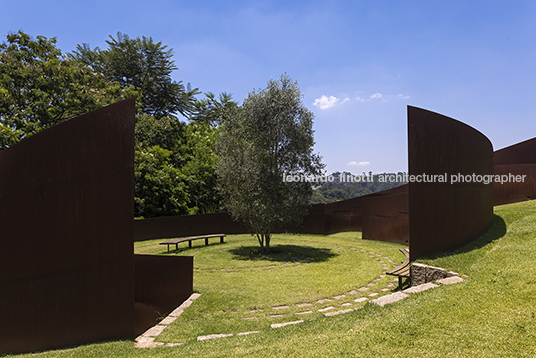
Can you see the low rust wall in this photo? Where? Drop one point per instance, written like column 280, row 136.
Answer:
column 445, row 216
column 162, row 283
column 66, row 255
column 315, row 222
column 517, row 159
column 186, row 225
column 386, row 215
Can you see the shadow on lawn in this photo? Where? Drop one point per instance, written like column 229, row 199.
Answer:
column 284, row 253
column 496, row 231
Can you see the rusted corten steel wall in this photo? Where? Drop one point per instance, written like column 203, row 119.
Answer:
column 315, row 220
column 344, row 215
column 386, row 215
column 215, row 223
column 518, row 159
column 444, row 216
column 186, row 225
column 162, row 284
column 66, row 254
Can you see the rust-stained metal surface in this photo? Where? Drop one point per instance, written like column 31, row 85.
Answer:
column 386, row 215
column 444, row 216
column 186, row 225
column 162, row 283
column 66, row 254
column 517, row 160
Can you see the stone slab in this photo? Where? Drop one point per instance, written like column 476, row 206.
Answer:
column 393, row 297
column 420, row 288
column 168, row 320
column 144, row 339
column 326, row 309
column 450, row 280
column 278, row 325
column 213, row 336
column 361, row 299
column 246, row 333
column 303, row 305
column 304, row 312
column 148, row 344
column 154, row 331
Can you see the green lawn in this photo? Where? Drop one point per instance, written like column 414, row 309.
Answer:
column 491, row 314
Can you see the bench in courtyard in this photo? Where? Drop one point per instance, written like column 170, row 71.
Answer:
column 190, row 239
column 402, row 271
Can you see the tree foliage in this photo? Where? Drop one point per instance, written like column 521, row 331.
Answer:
column 175, row 167
column 213, row 110
column 39, row 87
column 268, row 136
column 145, row 65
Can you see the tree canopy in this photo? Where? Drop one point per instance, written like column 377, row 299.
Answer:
column 147, row 66
column 269, row 136
column 40, row 86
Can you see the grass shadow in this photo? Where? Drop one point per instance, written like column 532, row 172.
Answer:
column 495, row 231
column 283, row 253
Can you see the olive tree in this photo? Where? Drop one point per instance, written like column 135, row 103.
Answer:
column 262, row 142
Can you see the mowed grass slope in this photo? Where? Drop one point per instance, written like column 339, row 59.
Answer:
column 244, row 291
column 491, row 314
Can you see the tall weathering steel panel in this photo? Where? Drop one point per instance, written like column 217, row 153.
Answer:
column 517, row 160
column 66, row 252
column 444, row 216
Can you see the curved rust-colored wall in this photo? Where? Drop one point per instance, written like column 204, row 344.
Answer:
column 518, row 160
column 386, row 215
column 444, row 216
column 186, row 225
column 66, row 254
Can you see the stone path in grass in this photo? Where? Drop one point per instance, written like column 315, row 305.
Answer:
column 329, row 306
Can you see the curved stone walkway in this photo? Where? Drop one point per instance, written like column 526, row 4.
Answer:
column 328, row 306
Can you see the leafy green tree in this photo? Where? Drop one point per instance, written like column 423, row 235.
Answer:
column 187, row 149
column 212, row 110
column 270, row 136
column 39, row 87
column 159, row 186
column 198, row 152
column 145, row 65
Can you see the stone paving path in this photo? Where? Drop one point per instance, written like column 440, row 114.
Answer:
column 330, row 306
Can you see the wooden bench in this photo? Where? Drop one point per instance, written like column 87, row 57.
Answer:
column 402, row 271
column 189, row 239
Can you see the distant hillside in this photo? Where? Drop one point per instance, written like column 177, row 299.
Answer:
column 346, row 186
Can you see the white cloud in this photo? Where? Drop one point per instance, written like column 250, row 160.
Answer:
column 376, row 96
column 360, row 164
column 325, row 102
column 401, row 96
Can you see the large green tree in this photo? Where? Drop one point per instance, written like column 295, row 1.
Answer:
column 40, row 86
column 175, row 167
column 147, row 66
column 268, row 137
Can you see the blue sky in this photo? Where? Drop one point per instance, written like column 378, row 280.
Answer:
column 358, row 63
